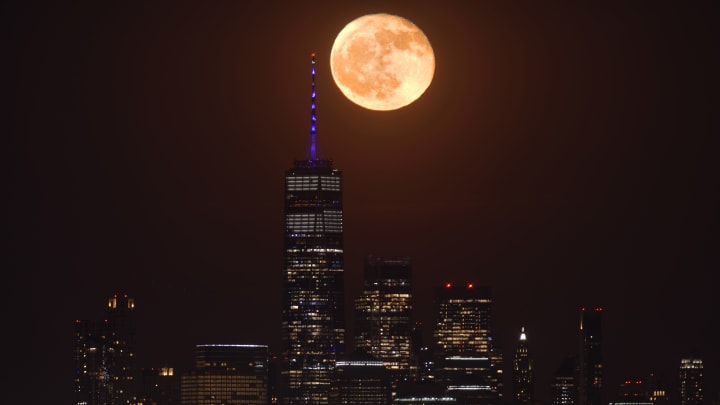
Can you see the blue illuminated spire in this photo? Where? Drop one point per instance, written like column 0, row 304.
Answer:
column 313, row 117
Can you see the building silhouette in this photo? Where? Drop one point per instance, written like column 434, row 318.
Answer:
column 313, row 325
column 691, row 381
column 467, row 364
column 383, row 327
column 632, row 391
column 228, row 374
column 564, row 383
column 590, row 368
column 159, row 386
column 523, row 372
column 105, row 356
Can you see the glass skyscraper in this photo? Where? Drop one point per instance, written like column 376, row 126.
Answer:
column 468, row 365
column 313, row 327
column 382, row 314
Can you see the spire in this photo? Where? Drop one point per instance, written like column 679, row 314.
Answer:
column 523, row 337
column 313, row 117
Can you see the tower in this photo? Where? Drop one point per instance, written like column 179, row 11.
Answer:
column 468, row 365
column 105, row 356
column 382, row 314
column 523, row 377
column 313, row 325
column 229, row 374
column 691, row 381
column 590, row 381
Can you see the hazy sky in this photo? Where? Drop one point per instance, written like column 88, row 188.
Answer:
column 564, row 154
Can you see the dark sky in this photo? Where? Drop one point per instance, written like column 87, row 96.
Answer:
column 564, row 154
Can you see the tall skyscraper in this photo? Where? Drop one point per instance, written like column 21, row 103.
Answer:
column 159, row 386
column 523, row 373
column 313, row 327
column 227, row 374
column 590, row 382
column 382, row 314
column 468, row 365
column 105, row 356
column 121, row 323
column 691, row 381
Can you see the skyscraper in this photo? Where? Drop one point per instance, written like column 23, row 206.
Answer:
column 228, row 374
column 105, row 356
column 691, row 381
column 468, row 366
column 121, row 324
column 523, row 373
column 564, row 383
column 382, row 314
column 360, row 379
column 313, row 325
column 590, row 381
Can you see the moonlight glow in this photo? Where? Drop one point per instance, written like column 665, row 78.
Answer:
column 382, row 62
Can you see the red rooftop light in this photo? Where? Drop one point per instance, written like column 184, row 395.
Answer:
column 448, row 285
column 470, row 285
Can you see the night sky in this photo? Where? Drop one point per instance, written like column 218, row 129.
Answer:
column 565, row 154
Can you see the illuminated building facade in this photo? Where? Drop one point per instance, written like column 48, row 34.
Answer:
column 691, row 381
column 313, row 327
column 590, row 382
column 227, row 374
column 361, row 380
column 523, row 373
column 468, row 365
column 564, row 384
column 382, row 314
column 105, row 356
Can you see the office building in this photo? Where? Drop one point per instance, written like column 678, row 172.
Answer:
column 590, row 382
column 691, row 381
column 467, row 364
column 105, row 356
column 382, row 314
column 523, row 373
column 159, row 386
column 313, row 327
column 564, row 384
column 361, row 379
column 228, row 374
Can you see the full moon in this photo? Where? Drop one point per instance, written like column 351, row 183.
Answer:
column 382, row 62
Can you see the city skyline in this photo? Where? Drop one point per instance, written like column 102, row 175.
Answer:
column 562, row 155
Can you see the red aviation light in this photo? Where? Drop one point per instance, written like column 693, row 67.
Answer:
column 448, row 285
column 470, row 286
column 598, row 309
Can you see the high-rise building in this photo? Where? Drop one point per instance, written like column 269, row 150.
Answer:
column 382, row 314
column 468, row 365
column 523, row 373
column 632, row 392
column 229, row 374
column 313, row 327
column 159, row 386
column 564, row 384
column 105, row 356
column 360, row 379
column 423, row 359
column 121, row 324
column 691, row 381
column 590, row 382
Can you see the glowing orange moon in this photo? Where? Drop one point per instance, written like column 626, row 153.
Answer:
column 382, row 62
